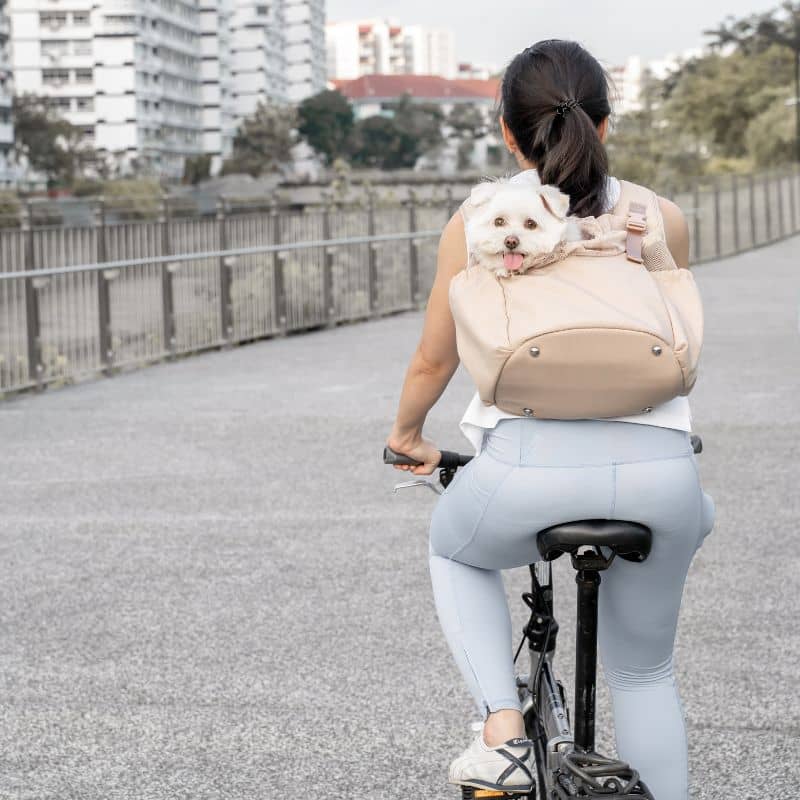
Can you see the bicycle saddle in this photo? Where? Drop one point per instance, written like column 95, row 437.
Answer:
column 629, row 540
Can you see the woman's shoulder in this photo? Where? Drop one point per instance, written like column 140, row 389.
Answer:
column 670, row 217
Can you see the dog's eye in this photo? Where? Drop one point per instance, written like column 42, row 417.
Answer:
column 530, row 224
column 498, row 221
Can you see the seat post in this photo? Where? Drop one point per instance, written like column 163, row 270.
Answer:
column 588, row 581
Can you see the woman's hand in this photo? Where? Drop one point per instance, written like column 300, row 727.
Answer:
column 420, row 449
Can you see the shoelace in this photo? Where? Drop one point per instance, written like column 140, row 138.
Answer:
column 516, row 763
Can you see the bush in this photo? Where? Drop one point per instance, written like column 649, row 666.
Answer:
column 87, row 187
column 133, row 198
column 10, row 208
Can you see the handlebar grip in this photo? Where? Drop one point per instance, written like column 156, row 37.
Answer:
column 390, row 457
column 448, row 460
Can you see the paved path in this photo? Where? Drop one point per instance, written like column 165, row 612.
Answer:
column 209, row 590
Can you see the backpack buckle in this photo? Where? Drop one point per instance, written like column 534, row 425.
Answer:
column 637, row 223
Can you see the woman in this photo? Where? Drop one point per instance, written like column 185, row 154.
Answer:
column 531, row 473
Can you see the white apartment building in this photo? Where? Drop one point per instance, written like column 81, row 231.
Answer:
column 218, row 92
column 258, row 54
column 385, row 47
column 305, row 48
column 152, row 82
column 627, row 85
column 127, row 72
column 7, row 172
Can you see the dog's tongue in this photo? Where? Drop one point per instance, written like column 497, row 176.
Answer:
column 512, row 261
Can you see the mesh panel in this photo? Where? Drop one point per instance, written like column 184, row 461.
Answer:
column 657, row 257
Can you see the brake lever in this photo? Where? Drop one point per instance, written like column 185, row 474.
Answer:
column 418, row 482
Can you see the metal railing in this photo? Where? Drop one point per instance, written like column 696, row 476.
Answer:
column 141, row 293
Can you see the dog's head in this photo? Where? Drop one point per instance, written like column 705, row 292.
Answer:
column 510, row 224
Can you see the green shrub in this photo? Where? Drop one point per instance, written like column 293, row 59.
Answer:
column 133, row 198
column 9, row 210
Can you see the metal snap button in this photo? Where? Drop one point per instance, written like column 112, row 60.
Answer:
column 528, row 412
column 656, row 350
column 534, row 351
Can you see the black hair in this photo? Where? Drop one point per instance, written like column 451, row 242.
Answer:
column 563, row 143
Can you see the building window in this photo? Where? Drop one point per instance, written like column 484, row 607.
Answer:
column 55, row 77
column 84, row 103
column 82, row 47
column 52, row 20
column 80, row 18
column 83, row 76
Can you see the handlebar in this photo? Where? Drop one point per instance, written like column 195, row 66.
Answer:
column 449, row 459
column 453, row 461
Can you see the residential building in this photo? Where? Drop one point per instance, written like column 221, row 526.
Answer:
column 627, row 85
column 7, row 171
column 305, row 48
column 218, row 92
column 385, row 47
column 372, row 95
column 258, row 54
column 126, row 72
column 468, row 71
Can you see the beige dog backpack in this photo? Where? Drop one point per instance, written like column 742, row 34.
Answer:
column 609, row 327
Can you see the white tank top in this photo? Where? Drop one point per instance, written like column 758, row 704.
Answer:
column 674, row 413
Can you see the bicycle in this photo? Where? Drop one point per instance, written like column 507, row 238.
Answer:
column 567, row 764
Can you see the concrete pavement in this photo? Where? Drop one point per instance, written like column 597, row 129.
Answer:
column 209, row 590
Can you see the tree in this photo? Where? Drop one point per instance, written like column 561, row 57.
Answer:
column 264, row 141
column 759, row 32
column 48, row 142
column 326, row 122
column 466, row 124
column 420, row 122
column 397, row 141
column 197, row 168
column 378, row 142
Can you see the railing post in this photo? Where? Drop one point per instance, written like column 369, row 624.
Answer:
column 103, row 293
column 413, row 252
column 717, row 226
column 781, row 221
column 698, row 252
column 328, row 304
column 767, row 207
column 32, row 319
column 279, row 279
column 735, row 204
column 225, row 275
column 792, row 200
column 449, row 201
column 167, row 295
column 372, row 256
column 751, row 187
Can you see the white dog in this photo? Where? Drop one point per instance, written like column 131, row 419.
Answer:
column 515, row 223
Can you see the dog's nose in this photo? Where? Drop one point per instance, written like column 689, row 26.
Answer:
column 511, row 242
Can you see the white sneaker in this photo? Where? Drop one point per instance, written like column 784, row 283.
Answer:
column 509, row 767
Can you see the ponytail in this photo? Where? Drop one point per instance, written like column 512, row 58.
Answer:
column 554, row 94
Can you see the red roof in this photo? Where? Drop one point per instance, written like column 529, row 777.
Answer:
column 424, row 86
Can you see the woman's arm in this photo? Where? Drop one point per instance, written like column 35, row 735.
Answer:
column 676, row 231
column 435, row 359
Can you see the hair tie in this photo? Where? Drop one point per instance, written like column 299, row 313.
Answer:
column 565, row 106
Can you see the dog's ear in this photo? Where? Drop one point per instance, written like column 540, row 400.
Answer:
column 555, row 201
column 483, row 192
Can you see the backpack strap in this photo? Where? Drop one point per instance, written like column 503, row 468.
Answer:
column 636, row 227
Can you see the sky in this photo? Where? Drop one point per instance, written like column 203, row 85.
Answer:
column 493, row 32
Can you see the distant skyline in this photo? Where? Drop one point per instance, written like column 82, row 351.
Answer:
column 650, row 30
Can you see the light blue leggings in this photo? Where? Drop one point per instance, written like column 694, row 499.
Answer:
column 531, row 474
